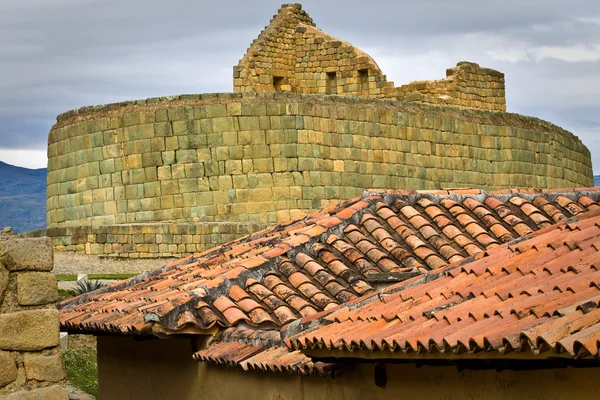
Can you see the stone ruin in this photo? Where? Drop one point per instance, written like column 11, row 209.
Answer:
column 312, row 121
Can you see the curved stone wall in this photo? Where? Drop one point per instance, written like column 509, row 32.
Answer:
column 270, row 157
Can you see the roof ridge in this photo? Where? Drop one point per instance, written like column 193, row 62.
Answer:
column 468, row 191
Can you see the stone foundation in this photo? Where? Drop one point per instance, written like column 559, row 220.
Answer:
column 146, row 240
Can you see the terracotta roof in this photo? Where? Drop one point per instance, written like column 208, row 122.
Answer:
column 258, row 350
column 316, row 263
column 539, row 294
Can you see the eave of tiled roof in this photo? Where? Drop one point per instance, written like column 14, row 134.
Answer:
column 257, row 350
column 538, row 295
column 314, row 264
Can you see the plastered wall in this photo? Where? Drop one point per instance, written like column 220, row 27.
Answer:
column 292, row 55
column 31, row 365
column 164, row 369
column 271, row 157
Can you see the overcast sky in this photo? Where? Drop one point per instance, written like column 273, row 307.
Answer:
column 56, row 55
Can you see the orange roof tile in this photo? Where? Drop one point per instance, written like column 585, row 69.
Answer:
column 540, row 293
column 261, row 351
column 304, row 267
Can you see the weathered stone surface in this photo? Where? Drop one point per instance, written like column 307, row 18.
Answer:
column 54, row 392
column 3, row 282
column 32, row 254
column 8, row 368
column 29, row 330
column 44, row 368
column 34, row 288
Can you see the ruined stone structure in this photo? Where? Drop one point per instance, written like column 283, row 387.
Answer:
column 31, row 365
column 172, row 176
column 292, row 55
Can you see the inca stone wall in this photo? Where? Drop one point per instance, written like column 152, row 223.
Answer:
column 467, row 85
column 146, row 240
column 268, row 157
column 31, row 365
column 292, row 55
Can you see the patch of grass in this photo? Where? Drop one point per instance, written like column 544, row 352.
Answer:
column 65, row 277
column 65, row 294
column 82, row 369
column 73, row 277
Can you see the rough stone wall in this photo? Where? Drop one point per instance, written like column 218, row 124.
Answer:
column 292, row 55
column 146, row 240
column 272, row 54
column 271, row 157
column 466, row 85
column 31, row 365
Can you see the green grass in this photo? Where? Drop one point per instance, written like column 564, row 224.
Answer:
column 65, row 294
column 82, row 369
column 73, row 277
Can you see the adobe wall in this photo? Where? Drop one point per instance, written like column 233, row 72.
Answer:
column 31, row 365
column 162, row 369
column 292, row 55
column 268, row 157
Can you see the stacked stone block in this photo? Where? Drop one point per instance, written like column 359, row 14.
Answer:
column 269, row 64
column 146, row 240
column 292, row 55
column 31, row 365
column 467, row 85
column 267, row 158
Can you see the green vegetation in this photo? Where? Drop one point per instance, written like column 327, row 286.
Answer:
column 73, row 277
column 65, row 294
column 86, row 286
column 81, row 363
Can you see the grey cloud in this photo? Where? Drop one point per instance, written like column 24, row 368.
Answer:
column 18, row 133
column 61, row 54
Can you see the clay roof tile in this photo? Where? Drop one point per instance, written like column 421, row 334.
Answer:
column 319, row 261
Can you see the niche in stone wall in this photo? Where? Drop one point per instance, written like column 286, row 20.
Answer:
column 331, row 85
column 279, row 83
column 363, row 79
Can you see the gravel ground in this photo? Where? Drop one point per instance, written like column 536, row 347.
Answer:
column 69, row 263
column 77, row 394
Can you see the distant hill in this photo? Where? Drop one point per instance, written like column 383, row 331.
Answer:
column 597, row 180
column 22, row 198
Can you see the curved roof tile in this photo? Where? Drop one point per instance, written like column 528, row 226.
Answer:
column 316, row 263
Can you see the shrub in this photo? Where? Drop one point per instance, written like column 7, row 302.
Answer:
column 86, row 286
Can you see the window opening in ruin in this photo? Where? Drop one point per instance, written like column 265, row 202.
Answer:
column 331, row 83
column 278, row 83
column 363, row 79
